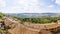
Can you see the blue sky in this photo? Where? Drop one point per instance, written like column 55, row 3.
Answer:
column 29, row 6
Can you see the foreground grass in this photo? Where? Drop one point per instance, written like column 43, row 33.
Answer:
column 2, row 31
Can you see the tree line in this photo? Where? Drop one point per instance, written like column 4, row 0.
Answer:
column 41, row 20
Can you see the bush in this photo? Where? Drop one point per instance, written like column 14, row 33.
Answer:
column 1, row 15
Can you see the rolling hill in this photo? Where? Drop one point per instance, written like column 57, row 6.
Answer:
column 33, row 15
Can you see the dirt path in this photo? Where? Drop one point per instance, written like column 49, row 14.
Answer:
column 20, row 28
column 25, row 29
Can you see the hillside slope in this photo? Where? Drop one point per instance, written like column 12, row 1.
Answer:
column 17, row 28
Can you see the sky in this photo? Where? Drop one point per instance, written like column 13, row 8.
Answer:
column 30, row 6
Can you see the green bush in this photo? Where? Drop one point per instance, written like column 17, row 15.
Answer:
column 1, row 15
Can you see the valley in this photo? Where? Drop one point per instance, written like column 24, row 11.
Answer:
column 13, row 25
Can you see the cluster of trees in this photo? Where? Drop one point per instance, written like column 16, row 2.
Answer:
column 42, row 20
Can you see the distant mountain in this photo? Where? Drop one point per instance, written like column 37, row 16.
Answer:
column 32, row 15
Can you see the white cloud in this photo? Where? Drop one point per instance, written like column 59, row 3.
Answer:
column 2, row 3
column 13, row 10
column 51, row 6
column 27, row 2
column 28, row 6
column 58, row 2
column 52, row 0
column 30, row 9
